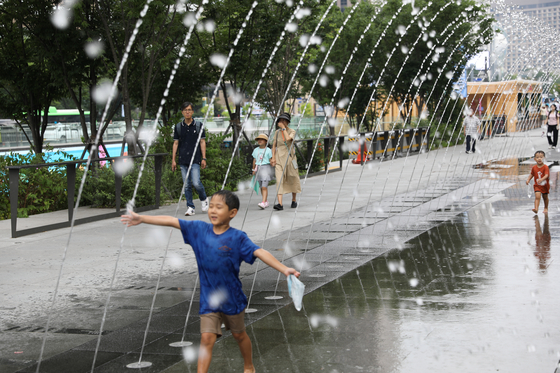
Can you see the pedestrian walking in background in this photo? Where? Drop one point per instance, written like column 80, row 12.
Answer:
column 284, row 161
column 552, row 126
column 544, row 112
column 185, row 140
column 541, row 174
column 262, row 168
column 471, row 126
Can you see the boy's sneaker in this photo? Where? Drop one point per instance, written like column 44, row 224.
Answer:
column 205, row 205
column 265, row 204
column 262, row 205
column 278, row 207
column 294, row 204
column 190, row 211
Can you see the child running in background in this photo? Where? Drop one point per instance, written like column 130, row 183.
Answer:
column 262, row 167
column 219, row 251
column 542, row 186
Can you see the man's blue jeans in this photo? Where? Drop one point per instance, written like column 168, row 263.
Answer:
column 193, row 180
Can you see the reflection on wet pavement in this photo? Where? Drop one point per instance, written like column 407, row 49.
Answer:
column 478, row 294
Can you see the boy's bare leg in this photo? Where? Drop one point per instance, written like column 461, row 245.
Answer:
column 264, row 192
column 205, row 351
column 537, row 202
column 246, row 351
column 545, row 199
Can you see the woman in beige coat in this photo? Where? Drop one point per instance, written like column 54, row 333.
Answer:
column 288, row 180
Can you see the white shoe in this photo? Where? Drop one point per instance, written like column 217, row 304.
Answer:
column 205, row 204
column 190, row 211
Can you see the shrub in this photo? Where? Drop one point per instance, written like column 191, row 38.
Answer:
column 40, row 189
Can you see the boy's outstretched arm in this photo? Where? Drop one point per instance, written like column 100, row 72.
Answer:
column 133, row 218
column 269, row 259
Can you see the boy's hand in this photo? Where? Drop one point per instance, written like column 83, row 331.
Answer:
column 131, row 219
column 527, row 183
column 291, row 271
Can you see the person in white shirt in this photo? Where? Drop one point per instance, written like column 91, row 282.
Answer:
column 471, row 126
column 553, row 124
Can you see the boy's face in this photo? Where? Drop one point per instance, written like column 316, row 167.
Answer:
column 539, row 158
column 219, row 213
column 261, row 142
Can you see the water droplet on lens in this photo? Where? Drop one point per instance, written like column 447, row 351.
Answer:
column 94, row 48
column 189, row 19
column 102, row 92
column 218, row 60
column 303, row 40
column 291, row 27
column 190, row 354
column 61, row 18
column 210, row 26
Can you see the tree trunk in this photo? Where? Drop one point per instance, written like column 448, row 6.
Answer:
column 129, row 136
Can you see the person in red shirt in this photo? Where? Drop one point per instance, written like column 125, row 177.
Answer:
column 542, row 185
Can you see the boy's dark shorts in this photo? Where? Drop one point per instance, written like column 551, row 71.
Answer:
column 212, row 323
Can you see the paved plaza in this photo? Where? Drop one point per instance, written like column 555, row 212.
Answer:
column 427, row 263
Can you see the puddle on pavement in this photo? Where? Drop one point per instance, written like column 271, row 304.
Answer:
column 475, row 294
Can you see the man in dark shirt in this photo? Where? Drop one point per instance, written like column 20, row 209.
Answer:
column 185, row 139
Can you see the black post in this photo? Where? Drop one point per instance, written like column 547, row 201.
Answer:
column 340, row 152
column 308, row 151
column 14, row 186
column 326, row 146
column 158, row 172
column 118, row 187
column 362, row 148
column 70, row 188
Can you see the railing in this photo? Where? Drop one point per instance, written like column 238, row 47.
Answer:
column 71, row 186
column 391, row 142
column 326, row 145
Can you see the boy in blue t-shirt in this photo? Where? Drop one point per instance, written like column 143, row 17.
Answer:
column 219, row 251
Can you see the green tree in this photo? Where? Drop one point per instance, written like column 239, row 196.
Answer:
column 261, row 33
column 338, row 61
column 444, row 31
column 27, row 87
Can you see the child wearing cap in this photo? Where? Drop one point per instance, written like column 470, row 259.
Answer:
column 262, row 167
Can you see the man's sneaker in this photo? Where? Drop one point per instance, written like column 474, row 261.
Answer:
column 262, row 205
column 278, row 207
column 205, row 204
column 190, row 211
column 294, row 204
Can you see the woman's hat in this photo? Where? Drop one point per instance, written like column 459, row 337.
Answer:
column 286, row 116
column 262, row 136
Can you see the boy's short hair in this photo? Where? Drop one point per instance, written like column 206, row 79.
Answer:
column 186, row 104
column 230, row 198
column 539, row 152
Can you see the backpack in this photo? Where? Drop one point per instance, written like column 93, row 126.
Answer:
column 178, row 127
